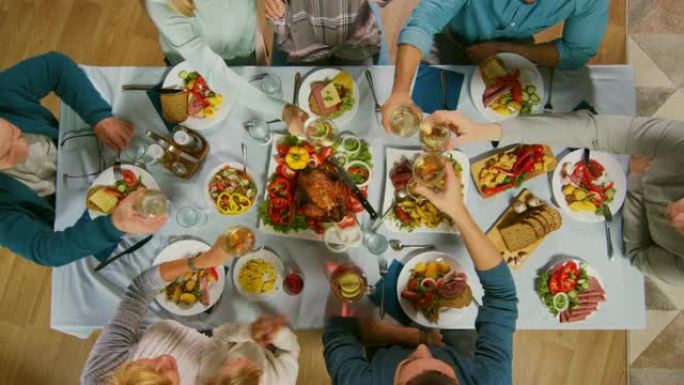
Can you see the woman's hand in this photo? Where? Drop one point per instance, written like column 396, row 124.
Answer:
column 127, row 220
column 264, row 329
column 466, row 130
column 274, row 9
column 295, row 118
column 450, row 200
column 395, row 100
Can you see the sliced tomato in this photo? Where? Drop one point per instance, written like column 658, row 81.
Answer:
column 315, row 160
column 129, row 178
column 282, row 149
column 426, row 300
column 326, row 152
column 286, row 172
column 113, row 191
column 554, row 284
column 402, row 215
column 309, row 148
column 567, row 284
column 213, row 274
column 412, row 284
column 347, row 221
column 596, row 168
column 279, row 159
column 279, row 187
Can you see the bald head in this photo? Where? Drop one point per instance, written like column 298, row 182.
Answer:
column 13, row 147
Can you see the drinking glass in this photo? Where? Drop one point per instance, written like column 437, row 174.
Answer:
column 238, row 241
column 293, row 283
column 349, row 283
column 259, row 131
column 320, row 131
column 190, row 216
column 270, row 84
column 435, row 136
column 429, row 169
column 152, row 203
column 136, row 150
column 405, row 119
column 375, row 243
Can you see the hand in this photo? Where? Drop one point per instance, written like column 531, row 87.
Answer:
column 114, row 133
column 295, row 118
column 216, row 256
column 434, row 338
column 675, row 214
column 638, row 164
column 395, row 100
column 477, row 53
column 450, row 200
column 274, row 9
column 265, row 328
column 127, row 220
column 466, row 130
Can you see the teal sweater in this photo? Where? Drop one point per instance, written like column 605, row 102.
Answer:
column 347, row 364
column 26, row 219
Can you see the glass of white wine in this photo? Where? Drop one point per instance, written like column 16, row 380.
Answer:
column 429, row 169
column 152, row 203
column 435, row 136
column 405, row 119
column 238, row 241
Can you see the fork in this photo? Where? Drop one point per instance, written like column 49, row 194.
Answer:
column 117, row 167
column 369, row 78
column 383, row 273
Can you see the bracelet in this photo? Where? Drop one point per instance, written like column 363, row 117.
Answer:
column 191, row 263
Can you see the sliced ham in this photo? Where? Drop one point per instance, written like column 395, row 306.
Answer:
column 195, row 106
column 575, row 317
column 595, row 286
column 588, row 306
column 583, row 297
column 316, row 88
column 494, row 91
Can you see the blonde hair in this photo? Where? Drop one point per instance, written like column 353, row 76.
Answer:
column 184, row 7
column 245, row 376
column 133, row 373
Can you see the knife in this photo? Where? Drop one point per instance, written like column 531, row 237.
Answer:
column 297, row 81
column 605, row 210
column 585, row 156
column 116, row 168
column 130, row 250
column 354, row 188
column 148, row 87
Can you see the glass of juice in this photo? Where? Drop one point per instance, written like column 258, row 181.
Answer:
column 349, row 283
column 405, row 120
column 429, row 169
column 238, row 241
column 293, row 283
column 435, row 137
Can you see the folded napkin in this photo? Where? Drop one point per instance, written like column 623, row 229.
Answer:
column 428, row 91
column 392, row 306
column 154, row 97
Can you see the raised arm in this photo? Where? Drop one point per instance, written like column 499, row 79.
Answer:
column 582, row 35
column 345, row 357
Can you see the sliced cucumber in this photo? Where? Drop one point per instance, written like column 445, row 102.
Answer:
column 534, row 98
column 193, row 75
column 531, row 89
column 183, row 75
column 525, row 96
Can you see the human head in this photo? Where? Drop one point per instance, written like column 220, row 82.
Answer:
column 421, row 368
column 13, row 147
column 675, row 214
column 238, row 371
column 184, row 7
column 161, row 370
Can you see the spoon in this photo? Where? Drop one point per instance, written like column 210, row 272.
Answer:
column 396, row 245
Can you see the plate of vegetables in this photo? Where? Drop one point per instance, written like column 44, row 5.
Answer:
column 582, row 191
column 304, row 195
column 411, row 214
column 434, row 290
column 206, row 108
column 507, row 85
column 571, row 290
column 230, row 190
column 190, row 293
column 106, row 191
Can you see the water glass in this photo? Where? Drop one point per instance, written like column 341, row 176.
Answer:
column 190, row 216
column 259, row 131
column 270, row 84
column 135, row 152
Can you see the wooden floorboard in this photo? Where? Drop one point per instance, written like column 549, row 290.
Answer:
column 106, row 32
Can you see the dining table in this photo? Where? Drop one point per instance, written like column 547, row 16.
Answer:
column 84, row 300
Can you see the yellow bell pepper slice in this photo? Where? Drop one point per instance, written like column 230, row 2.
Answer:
column 237, row 203
column 297, row 158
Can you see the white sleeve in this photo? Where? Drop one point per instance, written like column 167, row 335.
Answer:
column 286, row 363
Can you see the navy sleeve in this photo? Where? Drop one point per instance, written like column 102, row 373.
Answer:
column 344, row 353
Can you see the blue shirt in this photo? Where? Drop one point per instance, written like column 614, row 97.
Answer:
column 492, row 363
column 26, row 219
column 484, row 20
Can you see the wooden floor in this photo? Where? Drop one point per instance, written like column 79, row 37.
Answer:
column 106, row 32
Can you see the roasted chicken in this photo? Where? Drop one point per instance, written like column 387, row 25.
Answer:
column 322, row 194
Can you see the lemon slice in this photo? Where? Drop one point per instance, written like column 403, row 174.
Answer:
column 350, row 283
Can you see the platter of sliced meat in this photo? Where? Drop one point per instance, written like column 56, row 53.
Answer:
column 571, row 290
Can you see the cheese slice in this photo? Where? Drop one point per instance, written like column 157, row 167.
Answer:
column 344, row 79
column 330, row 95
column 103, row 200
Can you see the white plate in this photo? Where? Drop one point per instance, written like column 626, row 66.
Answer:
column 173, row 81
column 267, row 256
column 319, row 75
column 529, row 75
column 307, row 234
column 106, row 178
column 394, row 155
column 184, row 249
column 591, row 272
column 213, row 172
column 613, row 170
column 448, row 317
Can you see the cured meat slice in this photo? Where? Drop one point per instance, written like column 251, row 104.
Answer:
column 594, row 285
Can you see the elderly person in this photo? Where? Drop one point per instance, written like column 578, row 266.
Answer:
column 400, row 364
column 28, row 163
column 169, row 353
column 211, row 35
column 471, row 31
column 653, row 228
column 319, row 32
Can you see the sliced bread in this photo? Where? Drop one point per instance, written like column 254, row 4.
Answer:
column 174, row 107
column 518, row 235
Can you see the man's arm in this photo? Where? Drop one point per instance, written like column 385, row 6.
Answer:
column 344, row 353
column 179, row 32
column 582, row 35
column 34, row 240
column 35, row 78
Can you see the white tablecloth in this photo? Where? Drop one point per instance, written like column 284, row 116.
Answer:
column 83, row 300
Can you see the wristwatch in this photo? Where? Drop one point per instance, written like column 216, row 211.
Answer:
column 191, row 263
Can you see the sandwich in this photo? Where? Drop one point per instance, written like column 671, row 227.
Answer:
column 330, row 98
column 103, row 199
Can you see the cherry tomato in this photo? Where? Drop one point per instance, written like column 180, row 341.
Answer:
column 282, row 149
column 129, row 177
column 347, row 221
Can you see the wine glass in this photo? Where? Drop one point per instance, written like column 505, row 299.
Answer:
column 435, row 136
column 259, row 131
column 349, row 283
column 238, row 241
column 429, row 169
column 405, row 119
column 190, row 216
column 151, row 203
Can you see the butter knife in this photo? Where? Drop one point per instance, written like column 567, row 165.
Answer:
column 148, row 87
column 297, row 83
column 605, row 210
